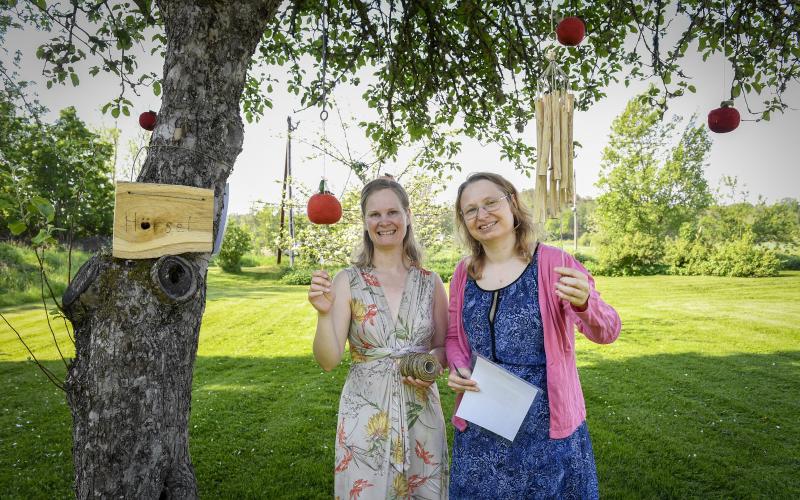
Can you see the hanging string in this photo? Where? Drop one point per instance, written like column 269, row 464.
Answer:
column 323, row 115
column 724, row 43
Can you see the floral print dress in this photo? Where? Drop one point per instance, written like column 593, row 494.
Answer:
column 390, row 438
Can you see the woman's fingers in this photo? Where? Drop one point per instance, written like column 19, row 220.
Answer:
column 572, row 291
column 319, row 292
column 572, row 286
column 461, row 384
column 415, row 382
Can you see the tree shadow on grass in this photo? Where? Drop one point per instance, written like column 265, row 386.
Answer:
column 695, row 426
column 663, row 426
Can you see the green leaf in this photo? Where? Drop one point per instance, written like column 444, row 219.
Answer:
column 41, row 237
column 41, row 4
column 75, row 80
column 44, row 207
column 157, row 88
column 115, row 112
column 17, row 227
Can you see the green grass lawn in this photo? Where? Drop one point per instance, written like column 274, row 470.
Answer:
column 698, row 397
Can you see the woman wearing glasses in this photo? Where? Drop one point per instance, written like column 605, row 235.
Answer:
column 516, row 303
column 390, row 437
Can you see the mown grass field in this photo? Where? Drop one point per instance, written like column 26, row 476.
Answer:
column 697, row 399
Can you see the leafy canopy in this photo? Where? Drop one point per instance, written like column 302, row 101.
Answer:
column 434, row 69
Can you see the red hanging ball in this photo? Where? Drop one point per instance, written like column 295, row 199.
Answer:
column 570, row 31
column 323, row 207
column 724, row 119
column 147, row 120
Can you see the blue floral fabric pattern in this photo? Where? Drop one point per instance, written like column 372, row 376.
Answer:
column 486, row 465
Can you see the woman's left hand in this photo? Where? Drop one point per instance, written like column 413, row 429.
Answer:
column 573, row 286
column 415, row 382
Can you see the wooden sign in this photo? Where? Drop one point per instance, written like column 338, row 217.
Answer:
column 151, row 220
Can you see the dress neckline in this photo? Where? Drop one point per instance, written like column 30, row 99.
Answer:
column 532, row 260
column 393, row 318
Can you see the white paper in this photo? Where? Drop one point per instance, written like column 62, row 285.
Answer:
column 502, row 402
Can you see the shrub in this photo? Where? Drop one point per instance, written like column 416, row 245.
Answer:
column 740, row 258
column 629, row 255
column 789, row 262
column 298, row 276
column 237, row 242
column 585, row 240
column 584, row 258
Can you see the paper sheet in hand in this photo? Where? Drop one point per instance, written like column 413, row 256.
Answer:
column 501, row 403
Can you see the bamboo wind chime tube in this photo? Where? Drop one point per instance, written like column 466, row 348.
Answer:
column 544, row 145
column 570, row 104
column 565, row 180
column 543, row 149
column 540, row 199
column 555, row 109
column 541, row 161
column 553, row 204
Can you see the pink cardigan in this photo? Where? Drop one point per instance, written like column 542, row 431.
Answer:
column 599, row 323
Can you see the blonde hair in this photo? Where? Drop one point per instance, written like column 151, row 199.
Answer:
column 365, row 252
column 524, row 229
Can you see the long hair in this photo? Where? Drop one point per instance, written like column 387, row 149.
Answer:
column 524, row 229
column 366, row 251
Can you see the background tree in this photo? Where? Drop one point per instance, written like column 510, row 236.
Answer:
column 650, row 185
column 431, row 69
column 237, row 242
column 73, row 168
column 64, row 163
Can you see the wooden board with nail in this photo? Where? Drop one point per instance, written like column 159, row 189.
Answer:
column 151, row 220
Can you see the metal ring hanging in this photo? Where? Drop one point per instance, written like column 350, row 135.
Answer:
column 323, row 115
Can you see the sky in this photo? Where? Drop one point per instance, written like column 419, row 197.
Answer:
column 762, row 155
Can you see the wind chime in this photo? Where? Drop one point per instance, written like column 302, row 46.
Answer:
column 555, row 175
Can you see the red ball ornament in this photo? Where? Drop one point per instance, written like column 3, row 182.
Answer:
column 147, row 120
column 323, row 207
column 570, row 31
column 724, row 119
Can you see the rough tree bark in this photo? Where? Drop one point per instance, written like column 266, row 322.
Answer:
column 137, row 322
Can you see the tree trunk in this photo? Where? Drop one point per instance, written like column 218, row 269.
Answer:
column 137, row 322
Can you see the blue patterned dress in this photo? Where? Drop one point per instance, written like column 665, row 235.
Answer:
column 486, row 465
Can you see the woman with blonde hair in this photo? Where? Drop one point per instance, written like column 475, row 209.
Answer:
column 390, row 439
column 517, row 302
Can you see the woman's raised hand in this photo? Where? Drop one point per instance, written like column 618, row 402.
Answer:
column 319, row 293
column 459, row 380
column 573, row 286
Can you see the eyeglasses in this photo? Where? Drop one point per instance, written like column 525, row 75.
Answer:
column 491, row 205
